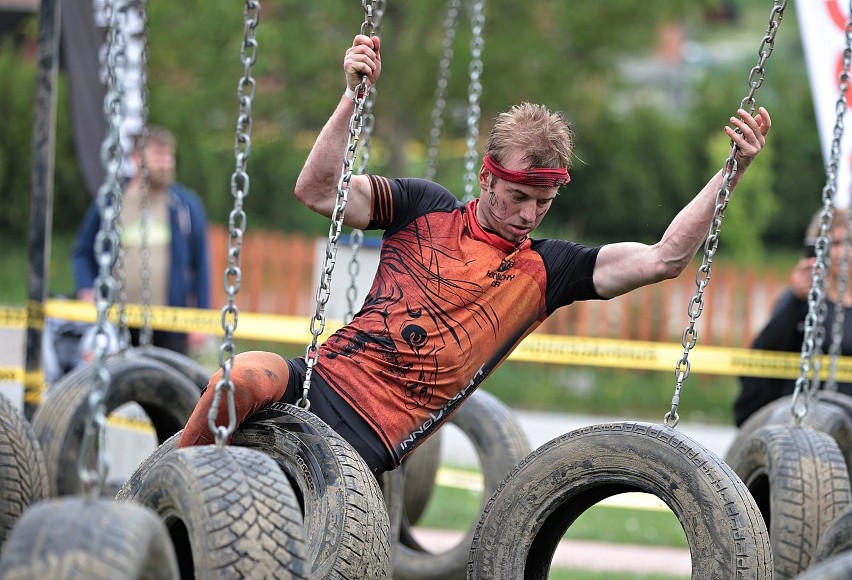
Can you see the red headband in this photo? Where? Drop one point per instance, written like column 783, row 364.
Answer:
column 538, row 177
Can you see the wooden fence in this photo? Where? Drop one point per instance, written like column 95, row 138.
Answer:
column 280, row 277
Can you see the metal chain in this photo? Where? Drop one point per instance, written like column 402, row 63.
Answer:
column 146, row 333
column 236, row 226
column 711, row 244
column 93, row 462
column 356, row 240
column 450, row 25
column 474, row 92
column 357, row 237
column 838, row 323
column 369, row 120
column 356, row 123
column 121, row 285
column 808, row 381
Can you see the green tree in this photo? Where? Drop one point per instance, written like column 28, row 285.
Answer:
column 752, row 206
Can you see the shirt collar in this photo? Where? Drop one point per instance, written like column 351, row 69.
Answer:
column 480, row 233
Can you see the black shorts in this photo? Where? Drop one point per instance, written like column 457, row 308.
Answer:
column 339, row 415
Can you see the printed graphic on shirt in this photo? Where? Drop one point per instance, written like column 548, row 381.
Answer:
column 445, row 307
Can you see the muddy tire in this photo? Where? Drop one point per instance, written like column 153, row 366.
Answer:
column 231, row 513
column 800, row 483
column 836, row 538
column 500, row 444
column 180, row 362
column 167, row 397
column 92, row 539
column 345, row 520
column 421, row 468
column 826, row 414
column 23, row 474
column 529, row 513
column 837, row 567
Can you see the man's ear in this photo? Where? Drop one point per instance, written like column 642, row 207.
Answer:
column 484, row 177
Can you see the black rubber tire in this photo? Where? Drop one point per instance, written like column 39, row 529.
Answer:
column 826, row 413
column 91, row 539
column 167, row 396
column 421, row 468
column 23, row 474
column 346, row 522
column 836, row 538
column 837, row 567
column 500, row 444
column 529, row 513
column 230, row 511
column 798, row 479
column 180, row 362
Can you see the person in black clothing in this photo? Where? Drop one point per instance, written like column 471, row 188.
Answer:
column 785, row 329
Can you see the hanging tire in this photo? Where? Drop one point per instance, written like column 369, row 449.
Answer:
column 421, row 468
column 837, row 567
column 180, row 362
column 167, row 397
column 92, row 539
column 836, row 538
column 23, row 475
column 500, row 444
column 824, row 415
column 529, row 513
column 346, row 522
column 231, row 513
column 799, row 481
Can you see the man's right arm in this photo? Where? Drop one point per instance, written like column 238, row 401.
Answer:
column 318, row 181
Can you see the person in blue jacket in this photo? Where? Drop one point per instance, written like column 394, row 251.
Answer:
column 178, row 263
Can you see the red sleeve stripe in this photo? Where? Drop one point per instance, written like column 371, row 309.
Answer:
column 382, row 200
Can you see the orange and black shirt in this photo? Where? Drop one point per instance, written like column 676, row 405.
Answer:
column 449, row 302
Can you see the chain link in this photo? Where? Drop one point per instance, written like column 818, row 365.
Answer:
column 808, row 381
column 356, row 124
column 450, row 25
column 474, row 92
column 236, row 226
column 93, row 462
column 702, row 278
column 146, row 333
column 357, row 237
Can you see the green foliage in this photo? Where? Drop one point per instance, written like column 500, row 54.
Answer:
column 636, row 163
column 751, row 208
column 17, row 99
column 16, row 127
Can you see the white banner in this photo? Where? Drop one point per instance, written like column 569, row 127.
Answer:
column 822, row 24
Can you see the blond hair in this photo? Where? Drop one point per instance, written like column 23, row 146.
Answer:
column 545, row 137
column 158, row 135
column 838, row 222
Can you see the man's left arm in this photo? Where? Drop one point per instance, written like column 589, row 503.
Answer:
column 625, row 266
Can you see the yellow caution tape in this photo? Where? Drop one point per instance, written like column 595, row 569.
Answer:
column 137, row 424
column 13, row 317
column 11, row 375
column 539, row 348
column 658, row 356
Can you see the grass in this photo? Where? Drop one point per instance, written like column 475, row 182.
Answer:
column 458, row 509
column 455, row 508
column 13, row 285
